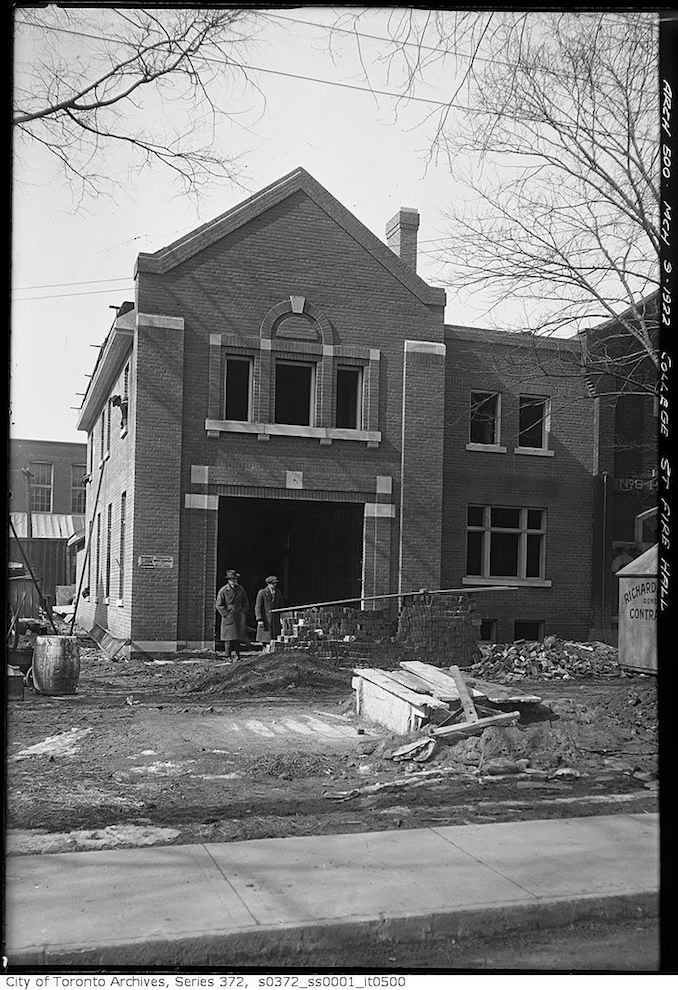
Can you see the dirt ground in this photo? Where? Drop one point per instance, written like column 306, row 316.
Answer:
column 187, row 748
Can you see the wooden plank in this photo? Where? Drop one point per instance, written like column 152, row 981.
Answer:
column 419, row 685
column 474, row 728
column 501, row 693
column 464, row 696
column 442, row 684
column 382, row 680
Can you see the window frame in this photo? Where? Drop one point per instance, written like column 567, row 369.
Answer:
column 496, row 445
column 359, row 371
column 122, row 536
column 242, row 359
column 124, row 401
column 97, row 566
column 109, row 540
column 40, row 487
column 541, row 630
column 522, row 530
column 80, row 489
column 313, row 365
column 544, row 449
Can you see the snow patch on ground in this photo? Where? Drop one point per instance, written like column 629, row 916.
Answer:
column 64, row 744
column 25, row 842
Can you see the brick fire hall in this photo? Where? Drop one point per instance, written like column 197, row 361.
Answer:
column 283, row 396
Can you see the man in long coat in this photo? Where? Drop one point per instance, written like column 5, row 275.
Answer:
column 268, row 621
column 232, row 605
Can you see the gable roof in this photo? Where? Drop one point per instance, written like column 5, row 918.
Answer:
column 162, row 261
column 647, row 565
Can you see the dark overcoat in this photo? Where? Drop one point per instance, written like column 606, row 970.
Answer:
column 263, row 613
column 232, row 606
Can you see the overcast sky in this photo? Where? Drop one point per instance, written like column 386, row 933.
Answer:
column 71, row 265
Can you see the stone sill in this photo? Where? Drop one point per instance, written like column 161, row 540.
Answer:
column 534, row 451
column 512, row 582
column 488, row 448
column 324, row 434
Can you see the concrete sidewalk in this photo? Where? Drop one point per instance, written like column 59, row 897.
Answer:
column 242, row 902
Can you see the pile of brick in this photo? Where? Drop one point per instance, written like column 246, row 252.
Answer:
column 303, row 627
column 442, row 626
column 551, row 659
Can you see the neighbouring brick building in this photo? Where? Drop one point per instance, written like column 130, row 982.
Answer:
column 623, row 380
column 47, row 507
column 284, row 396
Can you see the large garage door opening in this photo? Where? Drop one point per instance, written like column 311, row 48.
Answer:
column 315, row 548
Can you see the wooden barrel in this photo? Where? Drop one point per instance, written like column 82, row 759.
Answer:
column 56, row 664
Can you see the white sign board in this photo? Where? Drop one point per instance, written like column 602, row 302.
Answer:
column 155, row 560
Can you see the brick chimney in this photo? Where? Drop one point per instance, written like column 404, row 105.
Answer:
column 401, row 235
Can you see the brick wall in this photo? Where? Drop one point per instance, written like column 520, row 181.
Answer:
column 438, row 629
column 562, row 483
column 227, row 289
column 112, row 474
column 61, row 455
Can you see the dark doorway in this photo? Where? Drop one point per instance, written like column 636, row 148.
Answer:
column 314, row 548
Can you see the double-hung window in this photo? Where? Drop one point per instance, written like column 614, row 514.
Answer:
column 78, row 487
column 506, row 542
column 533, row 422
column 41, row 478
column 294, row 393
column 484, row 422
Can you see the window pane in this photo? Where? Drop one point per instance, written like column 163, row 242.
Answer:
column 474, row 553
column 293, row 394
column 348, row 397
column 42, row 474
column 475, row 515
column 40, row 478
column 531, row 422
column 487, row 629
column 109, row 530
column 483, row 417
column 506, row 518
column 504, row 554
column 123, row 523
column 78, row 490
column 533, row 565
column 528, row 630
column 535, row 518
column 237, row 389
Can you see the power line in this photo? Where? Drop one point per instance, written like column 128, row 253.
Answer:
column 125, row 278
column 390, row 41
column 61, row 285
column 68, row 295
column 274, row 72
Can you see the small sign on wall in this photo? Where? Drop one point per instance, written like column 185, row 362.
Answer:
column 155, row 560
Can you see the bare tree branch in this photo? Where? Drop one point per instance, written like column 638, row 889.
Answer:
column 90, row 80
column 558, row 152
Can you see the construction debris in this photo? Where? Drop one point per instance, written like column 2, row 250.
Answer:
column 551, row 659
column 419, row 750
column 425, row 696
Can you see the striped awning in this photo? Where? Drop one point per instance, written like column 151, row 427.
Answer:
column 47, row 525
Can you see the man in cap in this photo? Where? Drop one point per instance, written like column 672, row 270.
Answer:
column 268, row 621
column 232, row 605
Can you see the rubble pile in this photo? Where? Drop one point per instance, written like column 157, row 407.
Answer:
column 551, row 659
